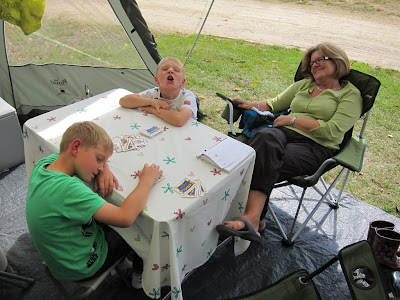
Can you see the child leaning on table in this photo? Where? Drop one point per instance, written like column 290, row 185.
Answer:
column 169, row 100
column 66, row 219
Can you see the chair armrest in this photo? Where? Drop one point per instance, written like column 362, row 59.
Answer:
column 263, row 113
column 352, row 155
column 231, row 115
column 310, row 180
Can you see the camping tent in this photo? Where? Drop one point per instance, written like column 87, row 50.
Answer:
column 70, row 60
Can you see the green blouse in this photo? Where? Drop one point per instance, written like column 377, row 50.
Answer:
column 336, row 111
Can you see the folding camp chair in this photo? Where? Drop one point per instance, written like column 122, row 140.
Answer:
column 362, row 273
column 89, row 285
column 349, row 156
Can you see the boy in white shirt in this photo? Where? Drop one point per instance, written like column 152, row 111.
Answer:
column 169, row 100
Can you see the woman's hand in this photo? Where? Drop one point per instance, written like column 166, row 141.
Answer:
column 245, row 104
column 303, row 124
column 283, row 120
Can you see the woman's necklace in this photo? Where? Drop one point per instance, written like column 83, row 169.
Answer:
column 321, row 90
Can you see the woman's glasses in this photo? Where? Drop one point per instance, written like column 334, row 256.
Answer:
column 319, row 60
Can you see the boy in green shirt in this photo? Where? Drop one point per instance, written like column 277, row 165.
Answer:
column 66, row 219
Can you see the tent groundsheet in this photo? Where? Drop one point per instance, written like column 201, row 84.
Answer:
column 224, row 276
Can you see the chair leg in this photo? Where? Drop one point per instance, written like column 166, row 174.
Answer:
column 342, row 187
column 277, row 222
column 332, row 201
column 16, row 279
column 288, row 240
column 312, row 213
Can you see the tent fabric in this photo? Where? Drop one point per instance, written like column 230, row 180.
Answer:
column 49, row 85
column 140, row 26
column 76, row 83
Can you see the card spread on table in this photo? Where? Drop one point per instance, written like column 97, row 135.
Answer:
column 190, row 188
column 123, row 143
column 152, row 131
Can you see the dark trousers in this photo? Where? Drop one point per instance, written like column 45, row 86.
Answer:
column 117, row 248
column 282, row 153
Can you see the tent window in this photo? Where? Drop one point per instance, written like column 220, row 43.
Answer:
column 75, row 33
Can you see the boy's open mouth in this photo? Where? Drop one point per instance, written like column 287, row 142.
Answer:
column 170, row 78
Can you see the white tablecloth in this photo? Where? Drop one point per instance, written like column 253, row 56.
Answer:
column 173, row 234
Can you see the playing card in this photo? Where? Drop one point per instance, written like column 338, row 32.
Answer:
column 201, row 188
column 192, row 192
column 159, row 179
column 117, row 144
column 152, row 131
column 185, row 185
column 140, row 142
column 126, row 142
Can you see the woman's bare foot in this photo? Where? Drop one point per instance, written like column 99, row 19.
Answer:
column 239, row 225
column 261, row 226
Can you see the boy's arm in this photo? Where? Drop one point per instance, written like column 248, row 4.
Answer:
column 173, row 117
column 105, row 180
column 135, row 101
column 125, row 215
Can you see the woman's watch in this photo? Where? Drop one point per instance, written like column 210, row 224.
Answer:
column 291, row 123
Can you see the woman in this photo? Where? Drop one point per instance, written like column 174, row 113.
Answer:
column 323, row 109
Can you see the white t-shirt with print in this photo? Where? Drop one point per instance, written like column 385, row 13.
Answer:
column 185, row 98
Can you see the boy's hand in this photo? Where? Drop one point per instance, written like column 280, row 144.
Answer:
column 150, row 172
column 105, row 180
column 159, row 104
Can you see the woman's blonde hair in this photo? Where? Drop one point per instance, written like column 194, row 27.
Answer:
column 91, row 135
column 173, row 59
column 335, row 54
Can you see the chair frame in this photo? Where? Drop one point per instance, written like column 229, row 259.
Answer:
column 90, row 285
column 331, row 163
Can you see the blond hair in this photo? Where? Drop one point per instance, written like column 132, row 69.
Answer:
column 336, row 54
column 173, row 59
column 91, row 135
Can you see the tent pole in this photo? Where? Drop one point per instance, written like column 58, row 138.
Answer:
column 201, row 28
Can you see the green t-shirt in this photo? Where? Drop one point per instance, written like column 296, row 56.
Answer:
column 336, row 111
column 59, row 214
